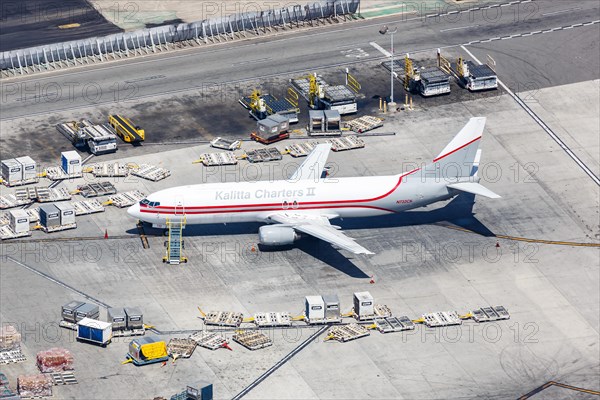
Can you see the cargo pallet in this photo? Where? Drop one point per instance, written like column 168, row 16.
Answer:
column 320, row 321
column 252, row 340
column 151, row 172
column 86, row 207
column 20, row 182
column 217, row 159
column 126, row 199
column 181, row 348
column 442, row 318
column 364, row 124
column 272, row 319
column 264, row 155
column 346, row 333
column 12, row 356
column 63, row 378
column 488, row 314
column 225, row 144
column 223, row 318
column 57, row 174
column 380, row 311
column 11, row 201
column 208, row 340
column 128, row 332
column 346, row 143
column 301, row 149
column 6, row 233
column 58, row 228
column 109, row 170
column 394, row 324
column 96, row 189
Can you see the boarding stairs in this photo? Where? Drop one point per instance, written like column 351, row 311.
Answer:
column 174, row 254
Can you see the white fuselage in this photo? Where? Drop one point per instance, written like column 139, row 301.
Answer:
column 254, row 201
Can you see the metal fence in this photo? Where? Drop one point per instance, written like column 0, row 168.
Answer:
column 145, row 41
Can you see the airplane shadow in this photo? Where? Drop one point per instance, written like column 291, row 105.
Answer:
column 458, row 211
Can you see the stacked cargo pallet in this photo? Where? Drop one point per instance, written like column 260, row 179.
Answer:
column 34, row 386
column 10, row 345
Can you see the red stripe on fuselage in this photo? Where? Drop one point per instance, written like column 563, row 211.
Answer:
column 166, row 209
column 149, row 211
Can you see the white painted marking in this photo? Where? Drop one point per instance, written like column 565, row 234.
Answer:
column 542, row 124
column 536, row 32
column 458, row 28
column 562, row 11
column 381, row 49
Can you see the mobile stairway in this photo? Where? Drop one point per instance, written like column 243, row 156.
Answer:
column 175, row 245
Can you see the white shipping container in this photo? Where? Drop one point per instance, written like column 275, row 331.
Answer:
column 11, row 171
column 67, row 213
column 363, row 304
column 314, row 307
column 19, row 221
column 28, row 167
column 71, row 162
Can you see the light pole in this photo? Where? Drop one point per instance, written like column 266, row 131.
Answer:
column 385, row 30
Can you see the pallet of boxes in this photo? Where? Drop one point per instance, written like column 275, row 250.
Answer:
column 10, row 345
column 55, row 366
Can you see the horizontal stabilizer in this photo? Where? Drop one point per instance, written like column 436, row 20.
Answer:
column 474, row 188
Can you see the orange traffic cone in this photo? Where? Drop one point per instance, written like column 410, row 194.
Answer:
column 253, row 249
column 106, row 234
column 227, row 347
column 497, row 244
column 372, row 281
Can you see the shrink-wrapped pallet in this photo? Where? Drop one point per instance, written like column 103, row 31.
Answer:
column 55, row 360
column 34, row 385
column 10, row 338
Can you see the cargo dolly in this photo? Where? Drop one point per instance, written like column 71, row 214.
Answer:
column 211, row 341
column 226, row 144
column 96, row 189
column 263, row 155
column 346, row 143
column 86, row 207
column 261, row 106
column 126, row 199
column 252, row 340
column 301, row 149
column 364, row 124
column 181, row 348
column 222, row 318
column 7, row 233
column 271, row 319
column 394, row 324
column 217, row 159
column 109, row 170
column 346, row 333
column 151, row 172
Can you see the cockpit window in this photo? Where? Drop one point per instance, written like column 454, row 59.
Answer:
column 149, row 203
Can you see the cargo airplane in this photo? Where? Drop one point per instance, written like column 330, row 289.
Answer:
column 308, row 200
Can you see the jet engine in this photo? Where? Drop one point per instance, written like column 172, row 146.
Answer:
column 273, row 235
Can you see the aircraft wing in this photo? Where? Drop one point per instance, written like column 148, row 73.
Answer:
column 312, row 167
column 319, row 227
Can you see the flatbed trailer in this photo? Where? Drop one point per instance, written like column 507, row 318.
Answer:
column 269, row 140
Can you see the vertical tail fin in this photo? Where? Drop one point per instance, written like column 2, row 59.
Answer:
column 460, row 157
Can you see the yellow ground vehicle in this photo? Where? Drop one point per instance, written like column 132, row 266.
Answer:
column 125, row 129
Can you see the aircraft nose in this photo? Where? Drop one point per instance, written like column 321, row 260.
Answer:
column 134, row 211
